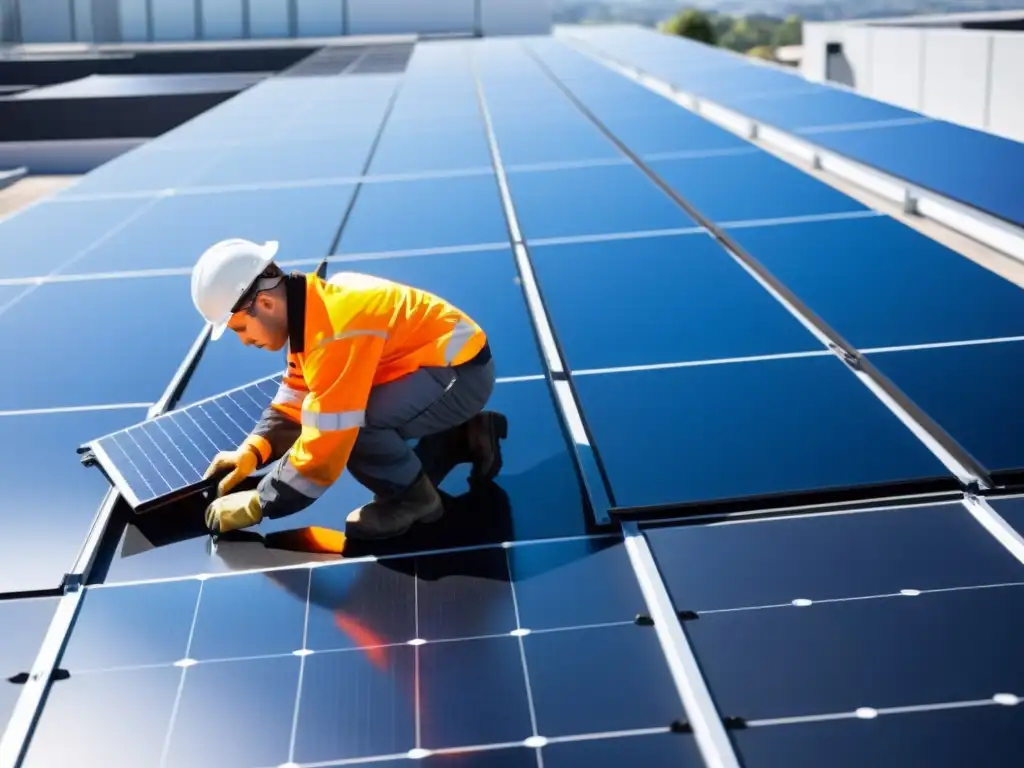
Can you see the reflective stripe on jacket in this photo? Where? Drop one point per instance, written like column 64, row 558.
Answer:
column 346, row 335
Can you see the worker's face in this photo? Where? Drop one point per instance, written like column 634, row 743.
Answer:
column 263, row 325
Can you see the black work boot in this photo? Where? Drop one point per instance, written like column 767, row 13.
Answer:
column 440, row 453
column 483, row 434
column 393, row 516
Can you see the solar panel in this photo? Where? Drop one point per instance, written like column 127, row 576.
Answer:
column 328, row 61
column 384, row 60
column 883, row 136
column 673, row 366
column 852, row 599
column 481, row 653
column 163, row 459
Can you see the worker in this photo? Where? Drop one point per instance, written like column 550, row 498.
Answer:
column 371, row 364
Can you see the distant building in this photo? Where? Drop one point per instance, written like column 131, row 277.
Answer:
column 966, row 68
column 138, row 21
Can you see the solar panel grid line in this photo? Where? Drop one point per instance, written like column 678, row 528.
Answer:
column 963, row 466
column 181, row 682
column 588, row 462
column 870, row 713
column 522, row 656
column 704, row 717
column 902, row 594
column 794, row 511
column 594, row 538
column 308, row 183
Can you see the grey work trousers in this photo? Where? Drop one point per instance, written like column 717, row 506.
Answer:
column 426, row 402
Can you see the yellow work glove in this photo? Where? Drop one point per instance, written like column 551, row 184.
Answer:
column 242, row 463
column 234, row 511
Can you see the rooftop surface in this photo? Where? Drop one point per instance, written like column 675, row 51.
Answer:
column 759, row 504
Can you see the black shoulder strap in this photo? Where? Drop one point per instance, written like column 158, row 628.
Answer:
column 295, row 291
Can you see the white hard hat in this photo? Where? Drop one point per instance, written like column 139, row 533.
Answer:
column 222, row 275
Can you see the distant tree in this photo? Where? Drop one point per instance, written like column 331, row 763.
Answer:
column 765, row 52
column 741, row 37
column 693, row 24
column 722, row 23
column 789, row 32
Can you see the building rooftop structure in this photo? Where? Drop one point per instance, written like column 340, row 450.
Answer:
column 761, row 502
column 960, row 67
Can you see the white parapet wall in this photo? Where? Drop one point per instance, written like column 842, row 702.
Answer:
column 163, row 21
column 401, row 17
column 971, row 77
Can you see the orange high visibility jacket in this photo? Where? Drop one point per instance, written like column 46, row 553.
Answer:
column 346, row 335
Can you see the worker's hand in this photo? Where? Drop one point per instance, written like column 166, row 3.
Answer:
column 242, row 463
column 234, row 511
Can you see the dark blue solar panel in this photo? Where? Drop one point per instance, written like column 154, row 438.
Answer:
column 484, row 285
column 735, row 188
column 73, row 345
column 48, row 496
column 427, row 213
column 939, row 739
column 880, row 283
column 1012, row 510
column 537, row 495
column 717, row 432
column 591, row 201
column 676, row 299
column 165, row 458
column 759, row 91
column 477, row 679
column 226, row 364
column 40, row 239
column 258, row 215
column 820, row 107
column 631, row 694
column 677, row 131
column 971, row 392
column 411, row 147
column 209, row 690
column 978, row 169
column 452, row 103
column 290, row 161
column 829, row 557
column 882, row 652
column 644, row 121
column 542, row 138
column 147, row 167
column 226, row 622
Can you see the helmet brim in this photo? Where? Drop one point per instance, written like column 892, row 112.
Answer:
column 218, row 330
